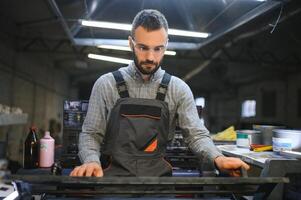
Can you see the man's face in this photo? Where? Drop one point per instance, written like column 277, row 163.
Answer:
column 148, row 49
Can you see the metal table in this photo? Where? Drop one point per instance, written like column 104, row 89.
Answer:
column 66, row 187
column 270, row 163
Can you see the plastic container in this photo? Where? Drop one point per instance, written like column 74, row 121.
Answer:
column 46, row 151
column 266, row 132
column 247, row 137
column 286, row 140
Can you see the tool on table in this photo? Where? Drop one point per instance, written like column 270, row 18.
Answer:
column 260, row 147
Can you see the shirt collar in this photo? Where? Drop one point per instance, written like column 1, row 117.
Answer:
column 136, row 74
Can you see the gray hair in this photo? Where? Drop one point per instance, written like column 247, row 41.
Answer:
column 150, row 20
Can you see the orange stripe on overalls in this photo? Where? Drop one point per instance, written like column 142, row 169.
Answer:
column 152, row 147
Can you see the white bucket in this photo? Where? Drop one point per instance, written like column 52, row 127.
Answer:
column 286, row 140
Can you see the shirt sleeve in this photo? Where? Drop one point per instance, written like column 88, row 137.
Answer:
column 195, row 133
column 94, row 126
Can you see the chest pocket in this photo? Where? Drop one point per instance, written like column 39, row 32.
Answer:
column 140, row 126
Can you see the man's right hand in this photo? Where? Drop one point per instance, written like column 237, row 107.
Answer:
column 88, row 169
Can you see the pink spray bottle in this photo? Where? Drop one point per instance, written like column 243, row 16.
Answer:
column 46, row 150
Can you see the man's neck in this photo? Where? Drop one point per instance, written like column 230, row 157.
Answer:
column 145, row 77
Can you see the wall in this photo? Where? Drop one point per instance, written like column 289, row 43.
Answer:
column 31, row 82
column 224, row 109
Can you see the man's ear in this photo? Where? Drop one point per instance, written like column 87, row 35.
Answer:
column 130, row 43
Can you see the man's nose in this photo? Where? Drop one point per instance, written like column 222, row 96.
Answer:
column 150, row 55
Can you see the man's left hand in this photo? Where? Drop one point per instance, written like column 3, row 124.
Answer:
column 230, row 165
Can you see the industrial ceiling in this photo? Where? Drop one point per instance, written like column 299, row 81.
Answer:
column 248, row 40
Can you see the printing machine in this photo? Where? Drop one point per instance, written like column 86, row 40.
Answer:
column 65, row 187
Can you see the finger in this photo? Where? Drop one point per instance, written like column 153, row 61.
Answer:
column 71, row 173
column 74, row 172
column 237, row 164
column 89, row 171
column 81, row 171
column 231, row 163
column 235, row 173
column 98, row 172
column 245, row 166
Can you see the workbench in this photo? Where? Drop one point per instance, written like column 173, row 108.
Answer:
column 270, row 164
column 273, row 172
column 156, row 188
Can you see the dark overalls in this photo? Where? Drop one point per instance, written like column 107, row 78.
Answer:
column 137, row 133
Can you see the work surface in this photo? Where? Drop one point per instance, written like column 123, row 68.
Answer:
column 256, row 158
column 154, row 186
column 271, row 164
column 108, row 181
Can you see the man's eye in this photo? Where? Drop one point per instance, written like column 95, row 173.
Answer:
column 158, row 49
column 143, row 48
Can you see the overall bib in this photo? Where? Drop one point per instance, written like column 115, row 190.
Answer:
column 137, row 133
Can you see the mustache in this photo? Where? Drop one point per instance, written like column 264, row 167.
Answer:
column 147, row 62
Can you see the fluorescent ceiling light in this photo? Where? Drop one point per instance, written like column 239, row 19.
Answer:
column 187, row 33
column 128, row 27
column 123, row 48
column 109, row 58
column 114, row 47
column 110, row 25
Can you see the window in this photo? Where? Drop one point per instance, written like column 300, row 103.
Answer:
column 248, row 108
column 200, row 104
column 200, row 101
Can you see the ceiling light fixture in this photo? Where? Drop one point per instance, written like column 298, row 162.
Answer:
column 109, row 25
column 109, row 58
column 128, row 27
column 123, row 48
column 187, row 33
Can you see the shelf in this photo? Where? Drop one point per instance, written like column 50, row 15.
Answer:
column 13, row 119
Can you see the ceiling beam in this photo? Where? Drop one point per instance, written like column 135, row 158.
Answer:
column 61, row 18
column 240, row 37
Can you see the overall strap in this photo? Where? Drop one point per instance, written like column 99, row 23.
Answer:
column 120, row 84
column 162, row 90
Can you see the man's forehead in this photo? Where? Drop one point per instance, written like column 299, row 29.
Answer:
column 153, row 37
